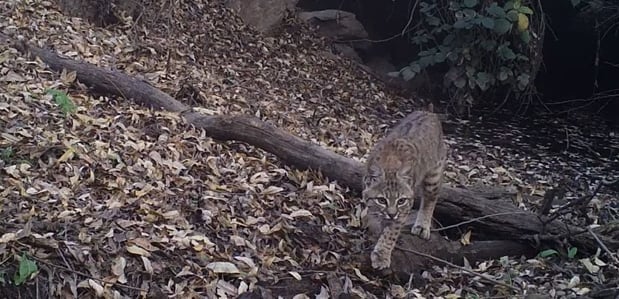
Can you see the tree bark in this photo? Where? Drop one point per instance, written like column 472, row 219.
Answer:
column 491, row 215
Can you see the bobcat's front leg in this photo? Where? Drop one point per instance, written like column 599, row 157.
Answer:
column 431, row 184
column 381, row 255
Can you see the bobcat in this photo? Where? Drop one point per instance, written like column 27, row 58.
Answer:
column 410, row 157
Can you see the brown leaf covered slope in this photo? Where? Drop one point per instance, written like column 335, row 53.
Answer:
column 131, row 196
column 137, row 197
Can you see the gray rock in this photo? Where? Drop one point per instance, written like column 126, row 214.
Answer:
column 262, row 15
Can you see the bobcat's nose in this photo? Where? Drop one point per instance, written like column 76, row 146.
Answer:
column 392, row 214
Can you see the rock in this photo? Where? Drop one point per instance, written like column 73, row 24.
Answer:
column 262, row 15
column 346, row 51
column 381, row 65
column 337, row 24
column 98, row 12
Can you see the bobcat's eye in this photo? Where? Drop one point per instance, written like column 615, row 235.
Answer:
column 402, row 201
column 381, row 201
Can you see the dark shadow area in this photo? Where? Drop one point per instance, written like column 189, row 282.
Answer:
column 581, row 52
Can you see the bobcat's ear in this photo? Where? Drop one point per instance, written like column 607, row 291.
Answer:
column 404, row 171
column 373, row 174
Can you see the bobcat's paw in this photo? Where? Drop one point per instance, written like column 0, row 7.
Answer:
column 380, row 261
column 422, row 232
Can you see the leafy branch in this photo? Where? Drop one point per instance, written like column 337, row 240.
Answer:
column 485, row 46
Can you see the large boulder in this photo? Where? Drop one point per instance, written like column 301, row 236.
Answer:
column 262, row 15
column 337, row 24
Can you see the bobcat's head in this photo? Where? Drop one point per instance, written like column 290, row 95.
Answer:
column 389, row 191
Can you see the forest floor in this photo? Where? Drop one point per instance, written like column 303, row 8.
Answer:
column 104, row 197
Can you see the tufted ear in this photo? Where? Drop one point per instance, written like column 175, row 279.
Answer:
column 373, row 173
column 405, row 171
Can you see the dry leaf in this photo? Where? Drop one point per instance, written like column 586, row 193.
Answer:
column 363, row 277
column 118, row 268
column 301, row 213
column 589, row 265
column 223, row 267
column 148, row 267
column 296, row 275
column 465, row 239
column 96, row 287
column 138, row 250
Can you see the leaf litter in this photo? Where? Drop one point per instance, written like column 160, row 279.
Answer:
column 114, row 200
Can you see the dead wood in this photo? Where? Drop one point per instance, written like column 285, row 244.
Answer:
column 511, row 228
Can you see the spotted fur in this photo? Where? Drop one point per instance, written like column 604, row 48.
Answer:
column 410, row 158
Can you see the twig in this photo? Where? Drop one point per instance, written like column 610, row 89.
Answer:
column 410, row 19
column 567, row 138
column 550, row 237
column 482, row 276
column 552, row 194
column 409, row 284
column 582, row 201
column 597, row 239
column 476, row 219
column 595, row 97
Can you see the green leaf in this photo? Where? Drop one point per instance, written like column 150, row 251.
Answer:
column 470, row 71
column 483, row 80
column 421, row 39
column 522, row 57
column 503, row 76
column 393, row 74
column 425, row 7
column 496, row 11
column 7, row 153
column 426, row 61
column 459, row 24
column 433, row 21
column 502, row 26
column 575, row 2
column 415, row 67
column 408, row 73
column 505, row 73
column 62, row 100
column 571, row 253
column 508, row 5
column 525, row 10
column 470, row 3
column 488, row 44
column 548, row 252
column 525, row 36
column 26, row 269
column 504, row 260
column 460, row 82
column 448, row 40
column 523, row 81
column 512, row 15
column 439, row 57
column 469, row 13
column 425, row 53
column 487, row 22
column 506, row 53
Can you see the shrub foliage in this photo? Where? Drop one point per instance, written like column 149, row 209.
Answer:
column 489, row 48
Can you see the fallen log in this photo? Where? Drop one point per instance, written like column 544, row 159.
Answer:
column 491, row 216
